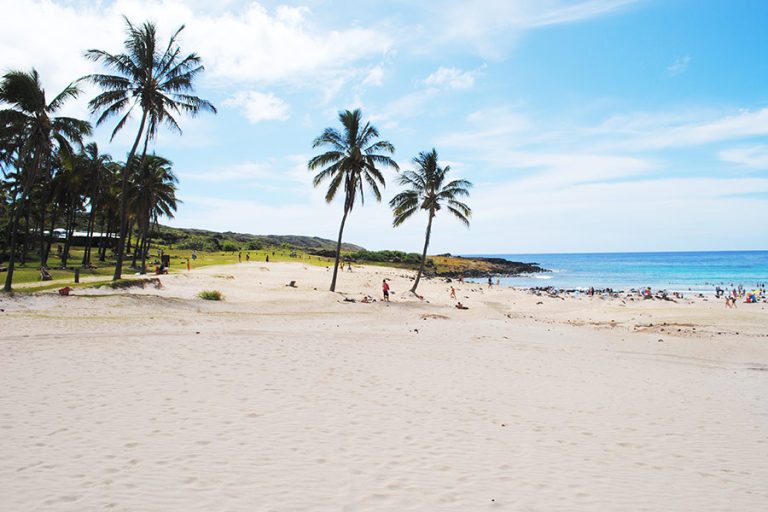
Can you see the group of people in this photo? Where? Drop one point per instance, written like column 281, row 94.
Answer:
column 735, row 293
column 386, row 290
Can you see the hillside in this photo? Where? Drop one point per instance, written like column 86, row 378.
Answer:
column 203, row 240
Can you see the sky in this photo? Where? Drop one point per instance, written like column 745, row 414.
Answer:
column 585, row 125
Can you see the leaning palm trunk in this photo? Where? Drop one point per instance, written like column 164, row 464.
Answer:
column 124, row 202
column 424, row 253
column 338, row 250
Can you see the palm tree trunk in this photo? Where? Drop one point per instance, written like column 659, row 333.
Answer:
column 130, row 238
column 68, row 240
column 136, row 247
column 26, row 242
column 12, row 248
column 144, row 247
column 105, row 240
column 43, row 211
column 49, row 241
column 16, row 218
column 338, row 250
column 124, row 201
column 424, row 253
column 148, row 244
column 89, row 236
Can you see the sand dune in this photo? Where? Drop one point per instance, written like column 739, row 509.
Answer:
column 292, row 399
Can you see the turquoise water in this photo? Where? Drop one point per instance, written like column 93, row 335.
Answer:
column 673, row 271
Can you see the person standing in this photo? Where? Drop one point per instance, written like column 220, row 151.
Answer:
column 385, row 289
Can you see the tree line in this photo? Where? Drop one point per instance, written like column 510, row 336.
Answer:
column 51, row 175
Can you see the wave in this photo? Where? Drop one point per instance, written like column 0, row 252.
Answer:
column 542, row 277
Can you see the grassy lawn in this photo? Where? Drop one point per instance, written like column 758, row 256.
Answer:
column 27, row 278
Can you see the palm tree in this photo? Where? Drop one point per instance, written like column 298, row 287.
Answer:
column 353, row 160
column 35, row 132
column 156, row 81
column 428, row 191
column 152, row 195
column 95, row 170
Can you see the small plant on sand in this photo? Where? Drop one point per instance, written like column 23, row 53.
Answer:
column 211, row 295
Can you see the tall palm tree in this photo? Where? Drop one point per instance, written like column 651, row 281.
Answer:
column 353, row 159
column 158, row 82
column 428, row 191
column 36, row 132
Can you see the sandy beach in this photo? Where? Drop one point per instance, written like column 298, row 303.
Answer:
column 293, row 399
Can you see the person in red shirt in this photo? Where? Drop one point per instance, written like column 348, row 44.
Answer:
column 385, row 289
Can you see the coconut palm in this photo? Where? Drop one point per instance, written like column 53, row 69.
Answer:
column 353, row 159
column 94, row 166
column 428, row 191
column 152, row 195
column 153, row 80
column 34, row 133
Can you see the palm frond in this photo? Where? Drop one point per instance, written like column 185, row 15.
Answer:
column 333, row 187
column 327, row 158
column 459, row 215
column 403, row 215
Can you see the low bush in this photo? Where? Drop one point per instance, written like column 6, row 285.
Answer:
column 211, row 295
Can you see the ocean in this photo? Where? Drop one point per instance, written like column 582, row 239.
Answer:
column 673, row 271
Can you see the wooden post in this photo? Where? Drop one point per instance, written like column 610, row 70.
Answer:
column 77, row 275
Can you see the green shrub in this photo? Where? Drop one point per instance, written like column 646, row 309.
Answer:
column 230, row 247
column 410, row 258
column 211, row 295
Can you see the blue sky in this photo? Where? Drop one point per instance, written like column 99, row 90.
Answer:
column 594, row 125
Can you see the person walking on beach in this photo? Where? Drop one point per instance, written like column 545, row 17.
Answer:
column 453, row 292
column 385, row 289
column 490, row 282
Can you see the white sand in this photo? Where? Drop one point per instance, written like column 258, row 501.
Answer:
column 291, row 399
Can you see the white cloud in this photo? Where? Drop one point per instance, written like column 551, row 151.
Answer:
column 288, row 174
column 751, row 157
column 451, row 78
column 489, row 24
column 245, row 171
column 374, row 77
column 239, row 42
column 260, row 106
column 635, row 215
column 679, row 66
column 659, row 132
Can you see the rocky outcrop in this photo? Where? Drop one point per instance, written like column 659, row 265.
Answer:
column 496, row 267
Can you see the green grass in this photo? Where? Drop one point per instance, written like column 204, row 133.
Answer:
column 26, row 278
column 211, row 295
